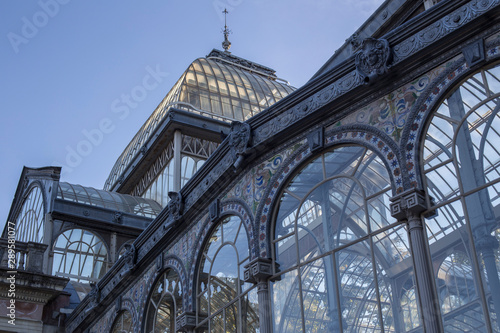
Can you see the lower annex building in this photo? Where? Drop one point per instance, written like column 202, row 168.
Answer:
column 366, row 200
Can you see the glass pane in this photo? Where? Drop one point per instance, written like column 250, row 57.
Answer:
column 220, row 283
column 287, row 304
column 165, row 303
column 230, row 228
column 379, row 211
column 165, row 316
column 224, row 278
column 123, row 323
column 80, row 255
column 319, row 296
column 456, row 276
column 217, row 324
column 31, row 220
column 411, row 313
column 286, row 252
column 250, row 312
column 358, row 288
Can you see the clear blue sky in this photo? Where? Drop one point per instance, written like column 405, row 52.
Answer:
column 65, row 62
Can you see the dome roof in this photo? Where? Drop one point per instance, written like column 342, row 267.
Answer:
column 220, row 86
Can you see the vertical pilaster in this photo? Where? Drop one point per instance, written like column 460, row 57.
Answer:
column 48, row 240
column 486, row 247
column 259, row 271
column 112, row 249
column 177, row 160
column 409, row 207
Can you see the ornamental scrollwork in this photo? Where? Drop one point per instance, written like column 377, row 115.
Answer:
column 175, row 206
column 239, row 142
column 129, row 258
column 94, row 296
column 117, row 217
column 373, row 58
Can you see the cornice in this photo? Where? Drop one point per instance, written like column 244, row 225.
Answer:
column 31, row 287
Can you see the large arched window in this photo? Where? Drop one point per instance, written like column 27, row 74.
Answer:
column 461, row 156
column 123, row 323
column 80, row 255
column 30, row 221
column 225, row 302
column 165, row 304
column 342, row 256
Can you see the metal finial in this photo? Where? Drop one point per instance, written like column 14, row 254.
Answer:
column 226, row 44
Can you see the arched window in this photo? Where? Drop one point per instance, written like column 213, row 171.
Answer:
column 339, row 250
column 123, row 323
column 461, row 156
column 165, row 304
column 80, row 255
column 30, row 221
column 225, row 302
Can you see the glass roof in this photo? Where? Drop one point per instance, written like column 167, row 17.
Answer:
column 225, row 88
column 110, row 200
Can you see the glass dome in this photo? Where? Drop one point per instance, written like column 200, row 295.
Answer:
column 220, row 86
column 110, row 200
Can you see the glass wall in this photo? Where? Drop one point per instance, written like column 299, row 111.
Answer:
column 462, row 158
column 164, row 183
column 344, row 262
column 80, row 255
column 225, row 302
column 165, row 304
column 30, row 221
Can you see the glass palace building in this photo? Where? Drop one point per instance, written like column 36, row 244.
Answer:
column 367, row 200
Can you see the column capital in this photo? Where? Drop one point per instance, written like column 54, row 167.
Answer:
column 409, row 203
column 259, row 269
column 186, row 321
column 487, row 243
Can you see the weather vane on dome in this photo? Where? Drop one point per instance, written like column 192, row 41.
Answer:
column 226, row 44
